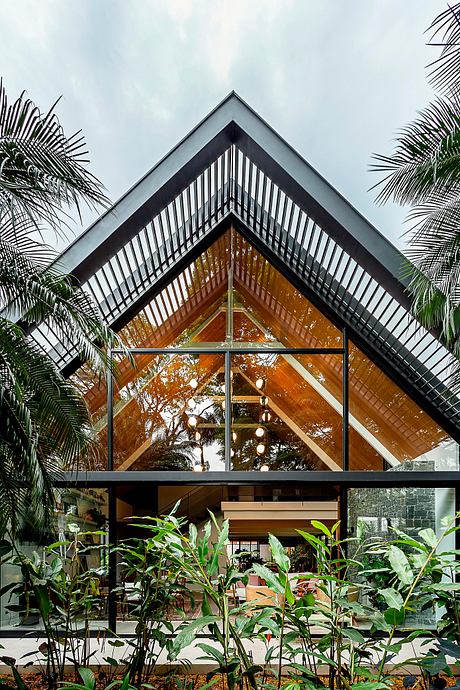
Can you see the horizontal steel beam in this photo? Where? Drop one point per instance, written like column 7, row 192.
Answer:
column 256, row 478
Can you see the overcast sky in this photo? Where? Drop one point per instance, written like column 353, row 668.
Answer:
column 336, row 78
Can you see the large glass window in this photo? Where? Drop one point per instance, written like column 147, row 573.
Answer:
column 78, row 541
column 378, row 512
column 285, row 414
column 170, row 414
column 231, row 297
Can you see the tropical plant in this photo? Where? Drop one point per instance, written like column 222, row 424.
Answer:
column 423, row 173
column 63, row 594
column 155, row 591
column 329, row 604
column 45, row 422
column 89, row 682
column 202, row 563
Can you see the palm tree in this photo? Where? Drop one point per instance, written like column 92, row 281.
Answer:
column 45, row 426
column 423, row 172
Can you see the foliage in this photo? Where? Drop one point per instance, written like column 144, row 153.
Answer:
column 155, row 589
column 58, row 589
column 423, row 172
column 202, row 563
column 45, row 423
column 176, row 567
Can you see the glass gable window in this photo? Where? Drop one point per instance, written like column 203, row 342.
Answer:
column 287, row 407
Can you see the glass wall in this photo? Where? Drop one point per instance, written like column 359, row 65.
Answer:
column 287, row 408
column 380, row 511
column 78, row 541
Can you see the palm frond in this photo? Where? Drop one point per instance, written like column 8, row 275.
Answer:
column 426, row 159
column 42, row 171
column 445, row 33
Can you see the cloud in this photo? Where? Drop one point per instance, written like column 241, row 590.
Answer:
column 335, row 78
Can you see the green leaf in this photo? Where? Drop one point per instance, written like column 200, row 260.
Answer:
column 429, row 537
column 353, row 635
column 43, row 600
column 279, row 553
column 188, row 633
column 88, row 678
column 212, row 652
column 400, row 564
column 205, row 607
column 314, row 541
column 218, row 548
column 392, row 597
column 321, row 528
column 394, row 617
column 270, row 577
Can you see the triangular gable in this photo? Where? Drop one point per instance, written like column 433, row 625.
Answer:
column 234, row 170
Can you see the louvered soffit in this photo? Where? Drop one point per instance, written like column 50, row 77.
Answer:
column 233, row 169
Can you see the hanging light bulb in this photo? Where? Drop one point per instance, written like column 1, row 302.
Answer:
column 264, row 468
column 198, row 468
column 260, row 383
column 197, row 436
column 260, row 448
column 192, row 420
column 263, row 401
column 234, row 436
column 260, row 431
column 192, row 403
column 266, row 416
column 193, row 383
column 232, row 453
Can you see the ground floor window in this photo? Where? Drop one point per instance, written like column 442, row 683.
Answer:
column 88, row 519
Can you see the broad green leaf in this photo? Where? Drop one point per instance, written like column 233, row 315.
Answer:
column 400, row 564
column 392, row 597
column 321, row 528
column 353, row 635
column 43, row 600
column 429, row 537
column 186, row 636
column 87, row 677
column 279, row 553
column 394, row 616
column 270, row 577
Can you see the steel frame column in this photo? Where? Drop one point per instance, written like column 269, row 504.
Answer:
column 345, row 440
column 228, row 410
column 112, row 507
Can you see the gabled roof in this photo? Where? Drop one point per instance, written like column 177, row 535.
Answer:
column 233, row 169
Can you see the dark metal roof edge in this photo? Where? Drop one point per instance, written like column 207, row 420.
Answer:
column 232, row 121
